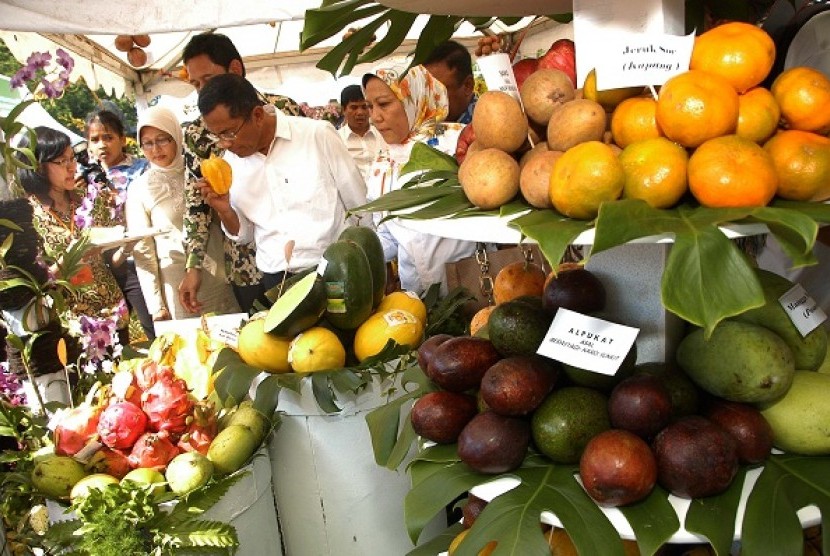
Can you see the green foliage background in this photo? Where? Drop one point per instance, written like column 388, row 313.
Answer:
column 77, row 101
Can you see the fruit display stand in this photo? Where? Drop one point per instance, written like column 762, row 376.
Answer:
column 331, row 495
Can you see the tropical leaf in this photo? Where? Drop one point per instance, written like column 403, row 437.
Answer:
column 424, row 158
column 438, row 544
column 199, row 501
column 199, row 534
column 552, row 231
column 714, row 516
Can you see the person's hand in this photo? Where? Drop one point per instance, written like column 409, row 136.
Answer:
column 189, row 290
column 465, row 139
column 219, row 203
column 161, row 314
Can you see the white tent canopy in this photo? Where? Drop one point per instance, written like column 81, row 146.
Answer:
column 267, row 35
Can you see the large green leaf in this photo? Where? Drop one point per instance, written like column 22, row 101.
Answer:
column 714, row 516
column 424, row 158
column 552, row 231
column 653, row 520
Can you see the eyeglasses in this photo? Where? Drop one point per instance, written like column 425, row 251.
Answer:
column 65, row 162
column 229, row 136
column 160, row 143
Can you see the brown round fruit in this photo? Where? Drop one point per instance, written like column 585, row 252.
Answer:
column 141, row 40
column 543, row 91
column 123, row 43
column 489, row 178
column 575, row 122
column 499, row 122
column 427, row 349
column 459, row 363
column 747, row 425
column 517, row 385
column 695, row 457
column 441, row 416
column 534, row 177
column 137, row 57
column 617, row 468
column 492, row 443
column 640, row 404
column 518, row 279
column 573, row 287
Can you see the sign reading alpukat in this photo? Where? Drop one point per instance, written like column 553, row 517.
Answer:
column 587, row 342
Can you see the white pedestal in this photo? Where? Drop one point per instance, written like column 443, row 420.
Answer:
column 332, row 498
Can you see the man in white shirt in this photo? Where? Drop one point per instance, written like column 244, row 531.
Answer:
column 293, row 179
column 361, row 138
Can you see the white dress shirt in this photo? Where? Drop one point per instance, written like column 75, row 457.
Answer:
column 299, row 191
column 364, row 149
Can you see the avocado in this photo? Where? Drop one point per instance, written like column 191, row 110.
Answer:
column 685, row 396
column 492, row 443
column 458, row 364
column 573, row 287
column 517, row 385
column 441, row 416
column 518, row 327
column 568, row 418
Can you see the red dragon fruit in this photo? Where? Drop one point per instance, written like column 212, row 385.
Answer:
column 125, row 388
column 167, row 404
column 153, row 450
column 109, row 461
column 76, row 428
column 148, row 372
column 121, row 424
column 201, row 429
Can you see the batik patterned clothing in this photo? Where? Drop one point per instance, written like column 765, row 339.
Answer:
column 101, row 298
column 240, row 259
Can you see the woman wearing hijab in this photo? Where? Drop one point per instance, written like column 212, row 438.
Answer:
column 407, row 108
column 156, row 200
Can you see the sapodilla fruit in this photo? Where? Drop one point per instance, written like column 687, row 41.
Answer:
column 534, row 177
column 543, row 91
column 499, row 122
column 489, row 178
column 576, row 122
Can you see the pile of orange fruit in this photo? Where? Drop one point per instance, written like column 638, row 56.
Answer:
column 715, row 132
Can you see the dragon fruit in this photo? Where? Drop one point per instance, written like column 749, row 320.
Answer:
column 109, row 461
column 121, row 424
column 125, row 388
column 167, row 404
column 148, row 372
column 153, row 450
column 201, row 429
column 76, row 428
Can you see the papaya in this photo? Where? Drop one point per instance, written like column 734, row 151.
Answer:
column 369, row 241
column 740, row 362
column 348, row 281
column 299, row 307
column 809, row 350
column 276, row 292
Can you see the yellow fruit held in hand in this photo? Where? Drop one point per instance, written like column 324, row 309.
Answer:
column 407, row 301
column 316, row 349
column 217, row 172
column 399, row 325
column 262, row 350
column 583, row 178
column 802, row 161
column 655, row 171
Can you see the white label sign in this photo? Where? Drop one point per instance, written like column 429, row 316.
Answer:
column 637, row 59
column 587, row 342
column 498, row 74
column 802, row 309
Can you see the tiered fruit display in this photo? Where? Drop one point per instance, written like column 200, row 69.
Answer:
column 157, row 422
column 687, row 426
column 335, row 315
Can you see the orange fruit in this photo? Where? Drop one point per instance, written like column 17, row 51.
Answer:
column 802, row 160
column 804, row 97
column 655, row 171
column 583, row 178
column 739, row 52
column 518, row 279
column 480, row 319
column 635, row 119
column 696, row 106
column 731, row 171
column 459, row 538
column 758, row 115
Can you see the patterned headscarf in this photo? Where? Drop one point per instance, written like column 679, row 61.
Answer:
column 424, row 97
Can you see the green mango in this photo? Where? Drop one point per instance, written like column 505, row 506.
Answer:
column 800, row 420
column 232, row 448
column 740, row 362
column 809, row 350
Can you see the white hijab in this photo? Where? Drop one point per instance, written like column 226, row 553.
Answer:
column 163, row 180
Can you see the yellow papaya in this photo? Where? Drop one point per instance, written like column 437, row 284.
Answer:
column 218, row 174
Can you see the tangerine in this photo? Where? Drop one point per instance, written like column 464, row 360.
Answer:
column 655, row 171
column 804, row 97
column 635, row 119
column 802, row 160
column 740, row 53
column 731, row 171
column 696, row 106
column 583, row 178
column 758, row 115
